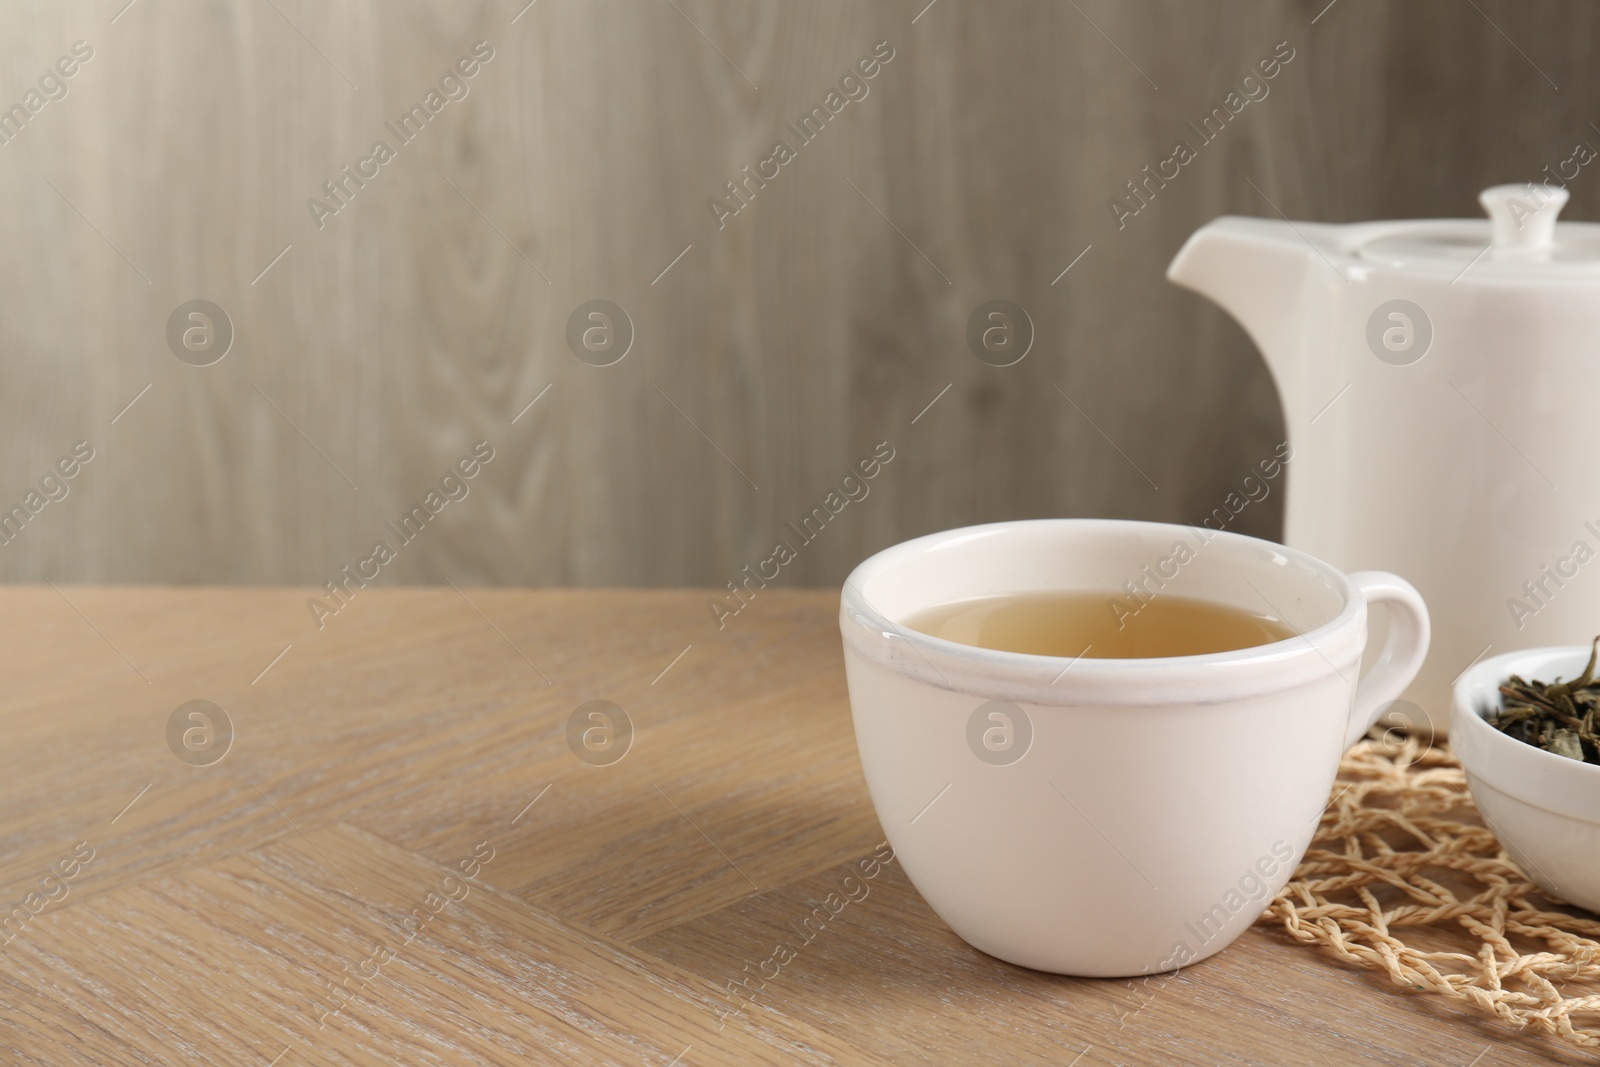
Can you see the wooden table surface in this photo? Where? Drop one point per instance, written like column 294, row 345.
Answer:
column 400, row 859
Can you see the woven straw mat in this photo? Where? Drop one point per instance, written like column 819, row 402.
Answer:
column 1403, row 878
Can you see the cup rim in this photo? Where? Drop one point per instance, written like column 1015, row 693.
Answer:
column 1326, row 649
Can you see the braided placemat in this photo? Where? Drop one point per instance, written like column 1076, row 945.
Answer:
column 1402, row 877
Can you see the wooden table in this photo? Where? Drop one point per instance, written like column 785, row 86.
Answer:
column 305, row 899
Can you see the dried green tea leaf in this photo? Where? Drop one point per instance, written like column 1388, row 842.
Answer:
column 1559, row 717
column 1566, row 743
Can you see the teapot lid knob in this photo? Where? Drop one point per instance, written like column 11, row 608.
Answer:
column 1523, row 217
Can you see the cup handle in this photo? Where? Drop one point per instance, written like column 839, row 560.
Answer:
column 1403, row 652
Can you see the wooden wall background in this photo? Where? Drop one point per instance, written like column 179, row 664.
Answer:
column 807, row 330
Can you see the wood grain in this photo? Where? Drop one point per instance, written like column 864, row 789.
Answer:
column 820, row 320
column 621, row 914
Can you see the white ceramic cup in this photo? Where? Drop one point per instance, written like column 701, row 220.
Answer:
column 1111, row 817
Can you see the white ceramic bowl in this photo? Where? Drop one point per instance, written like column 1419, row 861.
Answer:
column 1544, row 808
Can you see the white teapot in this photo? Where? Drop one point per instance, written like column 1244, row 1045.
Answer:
column 1437, row 378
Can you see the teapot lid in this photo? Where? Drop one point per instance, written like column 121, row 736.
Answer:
column 1521, row 240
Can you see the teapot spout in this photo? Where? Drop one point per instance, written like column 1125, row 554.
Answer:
column 1255, row 269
